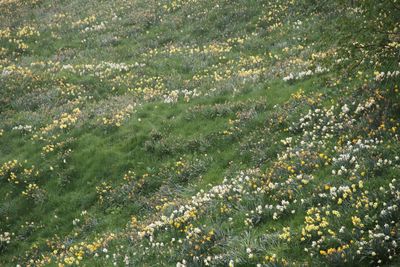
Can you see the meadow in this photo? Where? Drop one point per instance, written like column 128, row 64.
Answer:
column 199, row 133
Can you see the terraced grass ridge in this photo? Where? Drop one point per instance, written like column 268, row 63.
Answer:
column 199, row 133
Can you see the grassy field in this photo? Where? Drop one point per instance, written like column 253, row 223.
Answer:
column 199, row 133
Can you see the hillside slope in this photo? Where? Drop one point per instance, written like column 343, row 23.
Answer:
column 199, row 133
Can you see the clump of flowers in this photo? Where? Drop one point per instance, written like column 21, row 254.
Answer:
column 5, row 240
column 16, row 42
column 119, row 117
column 124, row 192
column 34, row 192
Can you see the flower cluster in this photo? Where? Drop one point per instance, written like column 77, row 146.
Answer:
column 124, row 192
column 65, row 121
column 118, row 118
column 17, row 41
column 5, row 240
column 23, row 128
column 33, row 192
column 22, row 176
column 302, row 74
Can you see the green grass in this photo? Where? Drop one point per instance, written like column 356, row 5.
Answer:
column 234, row 107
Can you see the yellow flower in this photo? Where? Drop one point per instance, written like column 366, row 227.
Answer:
column 356, row 221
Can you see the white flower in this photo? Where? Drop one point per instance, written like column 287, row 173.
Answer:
column 345, row 109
